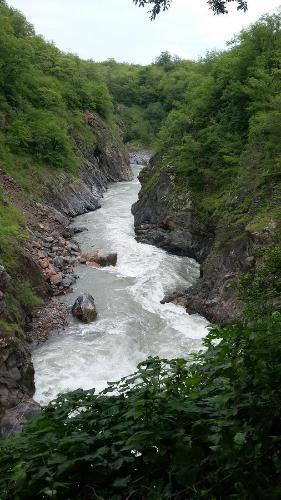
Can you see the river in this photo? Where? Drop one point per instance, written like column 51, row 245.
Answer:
column 131, row 323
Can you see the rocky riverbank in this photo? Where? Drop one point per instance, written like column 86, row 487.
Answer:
column 45, row 258
column 165, row 216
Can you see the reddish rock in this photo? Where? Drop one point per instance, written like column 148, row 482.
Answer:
column 56, row 279
column 102, row 260
column 93, row 264
column 44, row 263
column 91, row 256
column 50, row 271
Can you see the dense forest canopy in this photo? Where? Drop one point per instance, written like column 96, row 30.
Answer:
column 209, row 427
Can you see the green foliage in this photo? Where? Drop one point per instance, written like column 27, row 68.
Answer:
column 218, row 6
column 260, row 288
column 12, row 226
column 28, row 297
column 175, row 429
column 41, row 93
column 144, row 95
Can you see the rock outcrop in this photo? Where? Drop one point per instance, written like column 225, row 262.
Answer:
column 165, row 216
column 108, row 161
column 167, row 219
column 95, row 258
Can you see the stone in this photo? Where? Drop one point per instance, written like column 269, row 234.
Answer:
column 68, row 280
column 107, row 259
column 102, row 260
column 91, row 256
column 74, row 247
column 56, row 279
column 47, row 245
column 36, row 244
column 50, row 271
column 93, row 264
column 49, row 239
column 81, row 229
column 59, row 261
column 44, row 263
column 84, row 308
column 41, row 255
column 15, row 418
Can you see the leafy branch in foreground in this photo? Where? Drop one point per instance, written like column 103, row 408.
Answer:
column 218, row 6
column 208, row 428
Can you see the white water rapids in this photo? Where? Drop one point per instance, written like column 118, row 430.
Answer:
column 131, row 324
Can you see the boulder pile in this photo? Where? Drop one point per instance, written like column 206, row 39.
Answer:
column 57, row 256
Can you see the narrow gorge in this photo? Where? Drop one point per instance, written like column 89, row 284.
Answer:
column 140, row 266
column 132, row 324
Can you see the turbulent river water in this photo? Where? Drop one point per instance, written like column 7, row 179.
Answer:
column 131, row 324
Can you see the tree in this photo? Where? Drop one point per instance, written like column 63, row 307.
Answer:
column 218, row 6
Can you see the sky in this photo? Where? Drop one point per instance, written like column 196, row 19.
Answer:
column 103, row 29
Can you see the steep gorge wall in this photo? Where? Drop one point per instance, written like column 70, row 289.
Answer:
column 62, row 197
column 165, row 216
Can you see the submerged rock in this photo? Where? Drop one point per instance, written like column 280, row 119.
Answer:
column 84, row 308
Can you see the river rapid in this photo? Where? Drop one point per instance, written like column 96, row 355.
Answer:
column 131, row 323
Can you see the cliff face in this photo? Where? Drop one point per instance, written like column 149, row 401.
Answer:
column 108, row 161
column 165, row 216
column 46, row 222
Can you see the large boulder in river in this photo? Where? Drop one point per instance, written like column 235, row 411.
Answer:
column 84, row 308
column 96, row 259
column 109, row 259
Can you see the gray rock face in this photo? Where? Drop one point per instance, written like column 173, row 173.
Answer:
column 169, row 222
column 16, row 417
column 16, row 384
column 163, row 219
column 107, row 162
column 84, row 308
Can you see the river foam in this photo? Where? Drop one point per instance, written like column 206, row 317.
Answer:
column 132, row 324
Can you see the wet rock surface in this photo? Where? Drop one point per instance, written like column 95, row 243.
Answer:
column 98, row 259
column 84, row 308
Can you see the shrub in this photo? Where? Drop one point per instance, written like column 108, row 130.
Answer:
column 175, row 429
